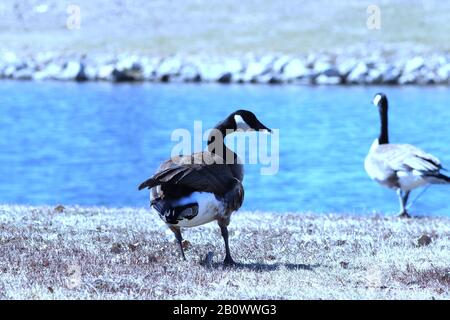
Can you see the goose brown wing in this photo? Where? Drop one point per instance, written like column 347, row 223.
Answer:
column 405, row 157
column 200, row 172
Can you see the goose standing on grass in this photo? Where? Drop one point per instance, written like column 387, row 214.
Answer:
column 192, row 190
column 400, row 166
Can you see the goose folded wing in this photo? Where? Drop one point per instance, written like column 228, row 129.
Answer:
column 216, row 178
column 408, row 158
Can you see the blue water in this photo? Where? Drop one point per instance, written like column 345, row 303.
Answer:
column 93, row 143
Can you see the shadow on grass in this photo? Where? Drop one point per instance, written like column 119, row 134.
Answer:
column 261, row 267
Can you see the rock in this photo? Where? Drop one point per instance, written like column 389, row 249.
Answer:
column 116, row 248
column 59, row 208
column 253, row 70
column 444, row 73
column 344, row 264
column 133, row 246
column 51, row 71
column 269, row 78
column 207, row 260
column 279, row 64
column 129, row 63
column 325, row 80
column 190, row 73
column 90, row 72
column 390, row 75
column 149, row 68
column 424, row 240
column 413, row 65
column 24, row 74
column 105, row 72
column 211, row 72
column 233, row 66
column 408, row 78
column 426, row 77
column 72, row 71
column 9, row 71
column 295, row 69
column 374, row 76
column 225, row 78
column 186, row 244
column 323, row 67
column 127, row 75
column 9, row 57
column 346, row 66
column 358, row 74
column 169, row 67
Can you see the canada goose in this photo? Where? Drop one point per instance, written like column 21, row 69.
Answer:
column 191, row 190
column 400, row 166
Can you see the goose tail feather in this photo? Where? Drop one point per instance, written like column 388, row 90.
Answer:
column 438, row 178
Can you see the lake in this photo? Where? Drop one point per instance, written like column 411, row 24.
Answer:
column 91, row 144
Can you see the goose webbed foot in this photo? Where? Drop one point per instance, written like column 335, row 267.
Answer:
column 229, row 262
column 404, row 215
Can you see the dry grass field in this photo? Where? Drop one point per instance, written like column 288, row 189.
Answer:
column 98, row 253
column 217, row 27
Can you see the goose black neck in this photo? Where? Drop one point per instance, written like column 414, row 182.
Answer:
column 221, row 149
column 384, row 134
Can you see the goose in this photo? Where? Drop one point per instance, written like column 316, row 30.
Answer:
column 403, row 167
column 192, row 190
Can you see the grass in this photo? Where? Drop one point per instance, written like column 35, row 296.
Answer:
column 98, row 253
column 221, row 27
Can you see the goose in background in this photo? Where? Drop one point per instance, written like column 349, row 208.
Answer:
column 403, row 167
column 191, row 190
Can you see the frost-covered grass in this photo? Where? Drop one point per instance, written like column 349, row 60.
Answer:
column 97, row 253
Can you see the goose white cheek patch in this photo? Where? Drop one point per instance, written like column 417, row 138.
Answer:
column 241, row 124
column 377, row 99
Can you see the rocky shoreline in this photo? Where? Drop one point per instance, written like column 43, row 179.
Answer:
column 313, row 69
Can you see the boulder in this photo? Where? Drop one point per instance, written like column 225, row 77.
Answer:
column 225, row 78
column 390, row 75
column 358, row 74
column 105, row 72
column 279, row 63
column 51, row 71
column 24, row 74
column 190, row 73
column 72, row 70
column 169, row 67
column 408, row 78
column 233, row 66
column 413, row 64
column 211, row 71
column 253, row 70
column 345, row 66
column 443, row 73
column 328, row 80
column 295, row 69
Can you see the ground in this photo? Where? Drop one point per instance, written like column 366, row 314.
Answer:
column 98, row 253
column 217, row 27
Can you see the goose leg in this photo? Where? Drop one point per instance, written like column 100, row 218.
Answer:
column 403, row 197
column 179, row 238
column 228, row 259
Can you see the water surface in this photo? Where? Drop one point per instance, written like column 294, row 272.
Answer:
column 93, row 143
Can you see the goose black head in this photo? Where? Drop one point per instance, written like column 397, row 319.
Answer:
column 380, row 100
column 246, row 121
